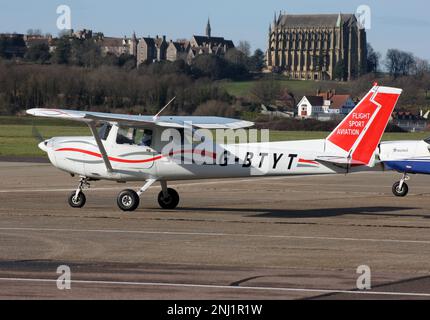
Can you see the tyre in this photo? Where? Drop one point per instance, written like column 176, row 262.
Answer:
column 169, row 202
column 400, row 192
column 77, row 202
column 128, row 200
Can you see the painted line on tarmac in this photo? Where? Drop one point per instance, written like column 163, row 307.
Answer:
column 210, row 234
column 225, row 287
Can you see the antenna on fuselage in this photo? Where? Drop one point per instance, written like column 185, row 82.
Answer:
column 162, row 109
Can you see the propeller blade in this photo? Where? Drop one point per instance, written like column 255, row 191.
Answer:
column 36, row 133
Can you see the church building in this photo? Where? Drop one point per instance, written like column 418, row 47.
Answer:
column 317, row 47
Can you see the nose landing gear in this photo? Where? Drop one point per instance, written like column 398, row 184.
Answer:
column 400, row 188
column 77, row 198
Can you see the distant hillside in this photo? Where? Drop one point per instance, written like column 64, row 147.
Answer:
column 416, row 90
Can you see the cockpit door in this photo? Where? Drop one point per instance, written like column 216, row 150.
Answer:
column 131, row 148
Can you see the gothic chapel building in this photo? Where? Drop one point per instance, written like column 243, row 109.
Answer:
column 317, row 47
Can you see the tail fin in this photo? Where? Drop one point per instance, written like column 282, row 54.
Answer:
column 360, row 132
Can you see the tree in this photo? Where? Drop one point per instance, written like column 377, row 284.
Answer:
column 86, row 53
column 422, row 67
column 208, row 65
column 3, row 46
column 215, row 108
column 236, row 56
column 266, row 91
column 399, row 63
column 373, row 59
column 62, row 52
column 34, row 32
column 244, row 47
column 256, row 62
column 339, row 72
column 38, row 52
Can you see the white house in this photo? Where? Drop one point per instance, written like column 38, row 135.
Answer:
column 310, row 106
column 325, row 106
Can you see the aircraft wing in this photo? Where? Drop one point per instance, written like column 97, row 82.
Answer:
column 162, row 121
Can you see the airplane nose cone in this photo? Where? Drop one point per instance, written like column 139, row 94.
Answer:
column 43, row 146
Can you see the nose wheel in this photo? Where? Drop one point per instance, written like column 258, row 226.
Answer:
column 77, row 198
column 400, row 188
column 77, row 201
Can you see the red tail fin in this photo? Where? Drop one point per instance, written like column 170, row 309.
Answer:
column 361, row 130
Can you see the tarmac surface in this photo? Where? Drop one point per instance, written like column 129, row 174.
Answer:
column 265, row 238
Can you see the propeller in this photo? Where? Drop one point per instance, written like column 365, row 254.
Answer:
column 39, row 138
column 36, row 133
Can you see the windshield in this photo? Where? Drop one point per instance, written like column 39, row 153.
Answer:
column 104, row 131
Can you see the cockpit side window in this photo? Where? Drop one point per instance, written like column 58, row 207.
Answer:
column 134, row 136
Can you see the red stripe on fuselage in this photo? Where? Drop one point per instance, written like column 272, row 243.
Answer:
column 98, row 155
column 308, row 161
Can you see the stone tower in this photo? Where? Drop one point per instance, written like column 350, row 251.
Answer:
column 313, row 47
column 208, row 29
column 133, row 45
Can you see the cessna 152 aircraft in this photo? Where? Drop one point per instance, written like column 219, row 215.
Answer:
column 133, row 148
column 407, row 157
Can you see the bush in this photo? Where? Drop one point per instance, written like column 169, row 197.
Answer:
column 289, row 124
column 215, row 108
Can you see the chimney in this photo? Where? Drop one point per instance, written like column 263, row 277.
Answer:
column 164, row 38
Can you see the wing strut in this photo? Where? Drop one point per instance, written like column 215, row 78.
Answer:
column 102, row 149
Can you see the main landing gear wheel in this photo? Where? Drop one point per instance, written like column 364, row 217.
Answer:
column 77, row 201
column 400, row 192
column 128, row 200
column 170, row 201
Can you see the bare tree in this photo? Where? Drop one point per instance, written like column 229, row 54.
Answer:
column 373, row 59
column 400, row 63
column 244, row 47
column 422, row 67
column 266, row 91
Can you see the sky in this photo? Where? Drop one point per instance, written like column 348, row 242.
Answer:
column 397, row 24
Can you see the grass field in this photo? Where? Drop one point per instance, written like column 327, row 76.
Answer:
column 17, row 140
column 299, row 87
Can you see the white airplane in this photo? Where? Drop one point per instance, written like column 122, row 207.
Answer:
column 133, row 148
column 406, row 157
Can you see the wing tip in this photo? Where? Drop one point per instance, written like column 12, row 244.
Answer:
column 31, row 111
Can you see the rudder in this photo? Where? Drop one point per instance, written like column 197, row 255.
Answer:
column 361, row 130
